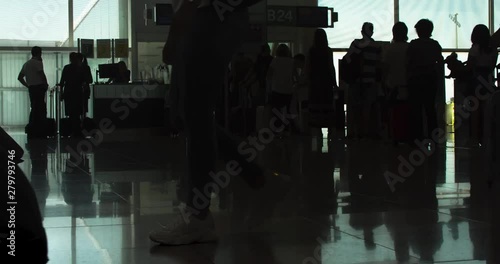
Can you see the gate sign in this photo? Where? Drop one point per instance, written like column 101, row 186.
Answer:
column 301, row 16
column 281, row 16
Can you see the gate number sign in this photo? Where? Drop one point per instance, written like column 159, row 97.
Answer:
column 301, row 16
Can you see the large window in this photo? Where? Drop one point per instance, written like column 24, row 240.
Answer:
column 44, row 22
column 97, row 19
column 352, row 15
column 453, row 19
column 497, row 15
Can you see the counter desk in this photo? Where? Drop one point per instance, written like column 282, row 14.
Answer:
column 129, row 105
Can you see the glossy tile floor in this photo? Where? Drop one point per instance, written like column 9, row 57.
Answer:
column 338, row 207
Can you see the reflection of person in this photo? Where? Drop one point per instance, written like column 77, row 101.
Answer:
column 39, row 163
column 33, row 77
column 74, row 79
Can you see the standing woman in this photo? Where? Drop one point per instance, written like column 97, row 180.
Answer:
column 481, row 62
column 320, row 72
column 280, row 79
column 88, row 81
column 395, row 61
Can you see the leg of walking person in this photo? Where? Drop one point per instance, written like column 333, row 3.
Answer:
column 209, row 47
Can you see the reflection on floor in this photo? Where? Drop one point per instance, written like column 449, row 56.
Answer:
column 99, row 205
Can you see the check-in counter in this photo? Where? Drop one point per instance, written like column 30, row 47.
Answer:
column 130, row 105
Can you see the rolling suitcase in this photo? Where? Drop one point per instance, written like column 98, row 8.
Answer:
column 50, row 123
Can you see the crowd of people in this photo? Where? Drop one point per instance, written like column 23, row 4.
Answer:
column 395, row 90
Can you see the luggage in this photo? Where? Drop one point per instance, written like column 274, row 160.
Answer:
column 48, row 127
column 400, row 122
column 65, row 127
column 89, row 125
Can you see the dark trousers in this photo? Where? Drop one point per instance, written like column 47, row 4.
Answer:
column 38, row 112
column 280, row 101
column 205, row 71
column 423, row 92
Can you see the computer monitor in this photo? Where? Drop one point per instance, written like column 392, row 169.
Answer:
column 109, row 71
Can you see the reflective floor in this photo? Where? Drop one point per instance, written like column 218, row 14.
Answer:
column 347, row 202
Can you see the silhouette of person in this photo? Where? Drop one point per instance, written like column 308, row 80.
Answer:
column 481, row 63
column 396, row 82
column 123, row 74
column 395, row 61
column 75, row 77
column 204, row 65
column 365, row 89
column 32, row 76
column 30, row 236
column 262, row 63
column 425, row 69
column 321, row 74
column 280, row 80
column 86, row 90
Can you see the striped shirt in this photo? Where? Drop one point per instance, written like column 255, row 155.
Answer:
column 371, row 56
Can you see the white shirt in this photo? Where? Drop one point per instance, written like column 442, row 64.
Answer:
column 396, row 60
column 482, row 59
column 282, row 75
column 31, row 70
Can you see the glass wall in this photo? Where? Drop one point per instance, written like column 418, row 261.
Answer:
column 497, row 14
column 352, row 15
column 96, row 19
column 44, row 22
column 453, row 19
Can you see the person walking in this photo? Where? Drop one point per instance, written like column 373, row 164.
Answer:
column 204, row 67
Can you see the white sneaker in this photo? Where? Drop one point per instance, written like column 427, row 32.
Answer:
column 185, row 230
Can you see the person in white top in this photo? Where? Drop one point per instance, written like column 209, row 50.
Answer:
column 280, row 79
column 395, row 61
column 33, row 77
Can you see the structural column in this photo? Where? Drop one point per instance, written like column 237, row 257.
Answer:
column 71, row 28
column 396, row 11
